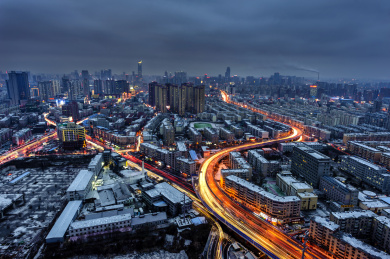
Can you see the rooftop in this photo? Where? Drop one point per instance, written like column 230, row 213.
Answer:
column 63, row 222
column 149, row 218
column 99, row 221
column 353, row 214
column 325, row 222
column 81, row 181
column 261, row 191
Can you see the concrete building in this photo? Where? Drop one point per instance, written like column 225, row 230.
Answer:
column 337, row 191
column 99, row 225
column 168, row 135
column 281, row 208
column 356, row 223
column 364, row 151
column 261, row 165
column 381, row 232
column 195, row 135
column 68, row 215
column 236, row 161
column 96, row 164
column 291, row 186
column 345, row 246
column 71, row 135
column 80, row 186
column 165, row 197
column 226, row 134
column 211, row 135
column 321, row 230
column 366, row 172
column 20, row 137
column 185, row 165
column 310, row 164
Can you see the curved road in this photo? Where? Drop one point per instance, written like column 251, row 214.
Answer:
column 260, row 233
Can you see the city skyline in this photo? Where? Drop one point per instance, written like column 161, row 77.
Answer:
column 337, row 39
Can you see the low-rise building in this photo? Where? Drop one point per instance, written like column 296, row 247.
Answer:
column 337, row 191
column 381, row 232
column 68, row 215
column 357, row 223
column 175, row 201
column 367, row 172
column 226, row 134
column 321, row 230
column 80, row 186
column 99, row 225
column 282, row 208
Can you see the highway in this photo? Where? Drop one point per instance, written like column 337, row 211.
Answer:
column 258, row 232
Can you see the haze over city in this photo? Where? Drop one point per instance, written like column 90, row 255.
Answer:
column 341, row 39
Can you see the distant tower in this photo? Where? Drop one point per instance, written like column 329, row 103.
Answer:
column 18, row 87
column 140, row 70
column 227, row 74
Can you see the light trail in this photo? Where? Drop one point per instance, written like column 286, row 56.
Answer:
column 264, row 236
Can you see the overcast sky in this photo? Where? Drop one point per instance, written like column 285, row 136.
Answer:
column 338, row 38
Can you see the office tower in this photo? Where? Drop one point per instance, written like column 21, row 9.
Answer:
column 199, row 98
column 65, row 84
column 98, row 86
column 18, row 87
column 71, row 110
column 45, row 90
column 140, row 70
column 71, row 135
column 310, row 164
column 227, row 74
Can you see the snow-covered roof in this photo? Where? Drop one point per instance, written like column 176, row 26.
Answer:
column 81, row 181
column 261, row 191
column 325, row 223
column 67, row 216
column 99, row 221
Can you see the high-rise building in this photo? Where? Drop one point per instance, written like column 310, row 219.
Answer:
column 65, row 84
column 199, row 98
column 161, row 98
column 98, row 86
column 152, row 93
column 180, row 77
column 227, row 74
column 74, row 90
column 140, row 70
column 85, row 74
column 18, row 87
column 45, row 90
column 71, row 135
column 71, row 110
column 121, row 86
column 310, row 164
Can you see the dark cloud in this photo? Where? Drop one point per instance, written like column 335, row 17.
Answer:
column 255, row 37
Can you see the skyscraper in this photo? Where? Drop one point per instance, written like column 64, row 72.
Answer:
column 18, row 87
column 140, row 70
column 227, row 74
column 45, row 90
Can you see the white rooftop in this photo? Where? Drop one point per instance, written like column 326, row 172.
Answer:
column 353, row 214
column 99, row 221
column 63, row 222
column 81, row 181
column 325, row 222
column 261, row 191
